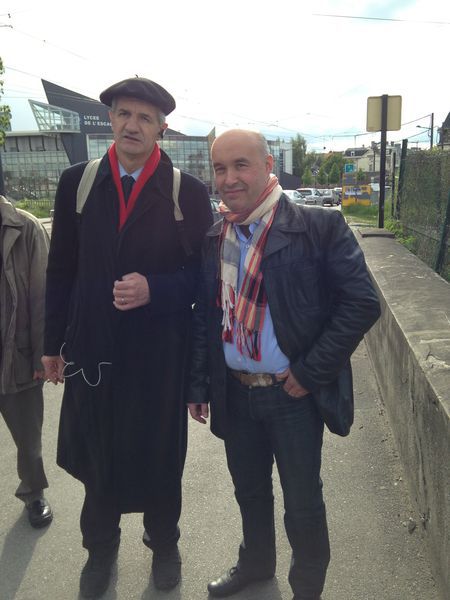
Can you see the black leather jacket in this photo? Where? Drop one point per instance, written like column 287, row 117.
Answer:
column 321, row 299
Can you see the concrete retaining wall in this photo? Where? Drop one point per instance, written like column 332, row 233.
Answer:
column 410, row 349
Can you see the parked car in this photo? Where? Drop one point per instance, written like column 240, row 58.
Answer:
column 329, row 198
column 215, row 209
column 295, row 196
column 338, row 191
column 312, row 195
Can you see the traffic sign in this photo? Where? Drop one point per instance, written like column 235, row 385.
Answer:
column 393, row 113
column 349, row 168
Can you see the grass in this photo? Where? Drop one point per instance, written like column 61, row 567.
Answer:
column 41, row 212
column 358, row 214
column 368, row 217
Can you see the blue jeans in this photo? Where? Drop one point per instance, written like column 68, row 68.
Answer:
column 265, row 423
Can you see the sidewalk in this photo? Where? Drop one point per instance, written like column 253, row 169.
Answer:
column 377, row 551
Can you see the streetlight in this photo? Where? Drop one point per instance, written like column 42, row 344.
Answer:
column 429, row 129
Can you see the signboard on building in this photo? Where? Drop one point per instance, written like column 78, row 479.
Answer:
column 356, row 194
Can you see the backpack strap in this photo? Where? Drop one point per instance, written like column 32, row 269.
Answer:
column 86, row 182
column 178, row 214
column 175, row 193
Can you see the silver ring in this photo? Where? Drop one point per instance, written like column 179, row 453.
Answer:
column 122, row 300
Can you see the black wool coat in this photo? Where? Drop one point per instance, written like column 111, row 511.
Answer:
column 123, row 419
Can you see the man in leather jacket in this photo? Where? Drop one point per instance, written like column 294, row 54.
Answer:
column 285, row 298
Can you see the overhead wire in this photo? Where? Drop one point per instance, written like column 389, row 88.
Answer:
column 415, row 21
column 282, row 130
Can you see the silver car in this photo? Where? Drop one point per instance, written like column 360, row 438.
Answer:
column 329, row 198
column 312, row 195
column 295, row 196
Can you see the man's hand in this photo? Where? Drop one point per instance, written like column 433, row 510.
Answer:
column 291, row 385
column 131, row 292
column 53, row 368
column 199, row 412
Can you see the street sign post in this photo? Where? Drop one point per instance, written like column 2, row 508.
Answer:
column 383, row 114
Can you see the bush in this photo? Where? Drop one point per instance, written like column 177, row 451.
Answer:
column 409, row 241
column 41, row 212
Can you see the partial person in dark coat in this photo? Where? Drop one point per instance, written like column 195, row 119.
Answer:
column 23, row 260
column 285, row 298
column 121, row 281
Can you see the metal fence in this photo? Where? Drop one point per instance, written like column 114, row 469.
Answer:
column 423, row 206
column 41, row 206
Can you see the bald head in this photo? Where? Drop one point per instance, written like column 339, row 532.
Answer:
column 236, row 136
column 242, row 166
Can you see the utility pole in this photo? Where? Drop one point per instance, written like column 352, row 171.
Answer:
column 431, row 130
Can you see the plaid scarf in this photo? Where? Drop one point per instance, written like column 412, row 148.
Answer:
column 246, row 308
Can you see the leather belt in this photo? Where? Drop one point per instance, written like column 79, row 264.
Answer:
column 255, row 379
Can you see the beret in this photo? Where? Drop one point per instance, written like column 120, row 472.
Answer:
column 143, row 89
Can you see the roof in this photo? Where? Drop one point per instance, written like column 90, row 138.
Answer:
column 351, row 152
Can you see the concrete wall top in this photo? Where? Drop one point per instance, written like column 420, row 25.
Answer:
column 419, row 300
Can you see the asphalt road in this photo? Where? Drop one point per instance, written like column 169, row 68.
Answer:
column 377, row 554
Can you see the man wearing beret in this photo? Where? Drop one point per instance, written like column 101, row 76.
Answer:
column 121, row 282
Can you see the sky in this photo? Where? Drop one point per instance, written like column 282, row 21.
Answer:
column 282, row 68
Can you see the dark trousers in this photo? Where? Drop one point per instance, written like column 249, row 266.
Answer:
column 265, row 423
column 23, row 413
column 100, row 520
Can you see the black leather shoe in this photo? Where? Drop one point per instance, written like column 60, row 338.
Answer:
column 96, row 573
column 39, row 513
column 234, row 580
column 166, row 568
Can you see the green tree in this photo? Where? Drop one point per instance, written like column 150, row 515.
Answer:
column 298, row 155
column 335, row 158
column 322, row 175
column 360, row 175
column 5, row 111
column 307, row 177
column 313, row 160
column 334, row 175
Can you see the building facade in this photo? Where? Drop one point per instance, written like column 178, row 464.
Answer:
column 73, row 128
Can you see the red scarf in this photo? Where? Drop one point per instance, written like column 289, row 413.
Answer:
column 148, row 170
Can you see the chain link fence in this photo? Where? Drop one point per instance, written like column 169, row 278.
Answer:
column 423, row 207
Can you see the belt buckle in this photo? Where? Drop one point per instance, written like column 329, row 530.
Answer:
column 263, row 379
column 252, row 380
column 258, row 379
